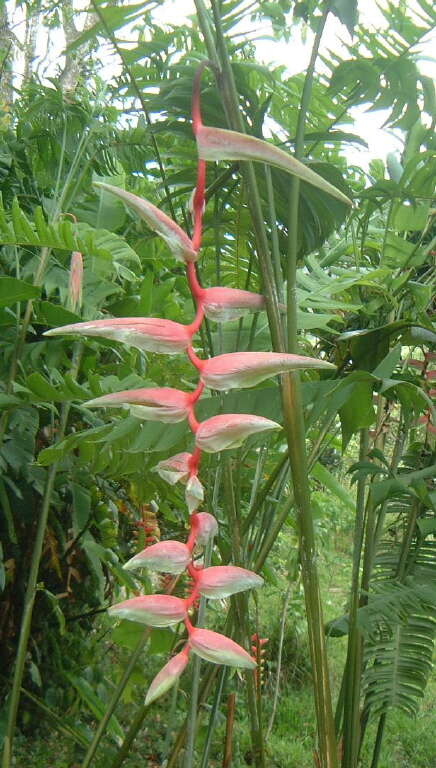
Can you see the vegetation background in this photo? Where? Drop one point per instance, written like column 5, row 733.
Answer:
column 115, row 106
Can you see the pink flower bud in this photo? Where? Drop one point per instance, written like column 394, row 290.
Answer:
column 177, row 240
column 194, row 493
column 150, row 334
column 168, row 676
column 224, row 580
column 75, row 281
column 157, row 404
column 220, row 144
column 165, row 556
column 204, row 527
column 222, row 304
column 219, row 649
column 174, row 469
column 229, row 430
column 245, row 369
column 154, row 610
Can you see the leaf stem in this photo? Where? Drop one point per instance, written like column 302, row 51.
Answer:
column 195, row 687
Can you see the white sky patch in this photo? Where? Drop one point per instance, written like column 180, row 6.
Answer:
column 294, row 55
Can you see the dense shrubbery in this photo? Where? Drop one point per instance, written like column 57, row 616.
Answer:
column 86, row 474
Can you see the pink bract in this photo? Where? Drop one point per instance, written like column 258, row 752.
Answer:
column 151, row 334
column 220, row 144
column 204, row 527
column 153, row 610
column 177, row 240
column 246, row 369
column 219, row 649
column 168, row 675
column 76, row 280
column 229, row 430
column 165, row 556
column 223, row 304
column 154, row 404
column 194, row 493
column 174, row 469
column 221, row 581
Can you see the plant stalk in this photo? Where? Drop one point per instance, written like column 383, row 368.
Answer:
column 192, row 722
column 353, row 676
column 31, row 589
column 294, row 423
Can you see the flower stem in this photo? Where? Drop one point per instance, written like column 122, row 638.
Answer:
column 192, row 720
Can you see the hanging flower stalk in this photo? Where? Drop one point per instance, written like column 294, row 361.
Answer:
column 222, row 432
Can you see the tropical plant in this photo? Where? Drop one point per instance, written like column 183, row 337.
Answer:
column 361, row 298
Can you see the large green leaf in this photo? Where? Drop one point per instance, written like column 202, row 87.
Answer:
column 13, row 290
column 98, row 244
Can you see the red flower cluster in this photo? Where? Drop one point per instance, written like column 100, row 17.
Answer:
column 223, row 372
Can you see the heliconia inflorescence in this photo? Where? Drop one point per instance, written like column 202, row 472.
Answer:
column 225, row 431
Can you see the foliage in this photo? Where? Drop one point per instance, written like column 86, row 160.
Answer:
column 364, row 292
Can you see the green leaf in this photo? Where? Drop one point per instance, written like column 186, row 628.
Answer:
column 388, row 365
column 54, row 315
column 13, row 290
column 9, row 401
column 357, row 412
column 322, row 474
column 347, row 13
column 81, row 508
column 161, row 641
column 128, row 634
column 95, row 704
column 39, row 385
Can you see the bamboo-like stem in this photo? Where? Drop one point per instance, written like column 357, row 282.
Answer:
column 400, row 575
column 31, row 589
column 261, row 496
column 213, row 716
column 273, row 532
column 241, row 605
column 279, row 659
column 231, row 702
column 291, row 397
column 295, row 430
column 353, row 676
column 204, row 693
column 378, row 740
column 122, row 754
column 63, row 727
column 275, row 248
column 295, row 185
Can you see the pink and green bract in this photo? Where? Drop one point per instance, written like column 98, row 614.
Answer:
column 164, row 404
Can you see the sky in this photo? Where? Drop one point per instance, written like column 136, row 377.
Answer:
column 294, row 55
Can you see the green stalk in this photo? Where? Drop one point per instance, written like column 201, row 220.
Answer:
column 352, row 680
column 113, row 703
column 241, row 605
column 63, row 727
column 279, row 658
column 213, row 716
column 378, row 740
column 294, row 423
column 400, row 575
column 31, row 589
column 204, row 693
column 275, row 248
